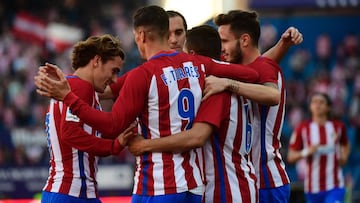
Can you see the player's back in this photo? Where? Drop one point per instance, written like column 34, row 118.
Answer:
column 175, row 84
column 176, row 88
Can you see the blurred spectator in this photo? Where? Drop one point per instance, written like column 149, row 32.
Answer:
column 335, row 72
column 354, row 109
column 298, row 63
column 338, row 92
column 323, row 52
column 268, row 37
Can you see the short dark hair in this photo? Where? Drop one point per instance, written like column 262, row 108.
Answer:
column 172, row 14
column 204, row 40
column 324, row 95
column 154, row 18
column 241, row 22
column 328, row 102
column 106, row 46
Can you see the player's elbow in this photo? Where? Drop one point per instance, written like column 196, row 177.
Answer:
column 270, row 97
column 274, row 98
column 199, row 134
column 66, row 138
column 291, row 158
column 197, row 141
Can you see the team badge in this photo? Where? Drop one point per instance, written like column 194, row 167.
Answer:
column 70, row 116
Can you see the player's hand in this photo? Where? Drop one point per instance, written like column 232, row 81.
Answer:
column 214, row 85
column 127, row 134
column 51, row 71
column 135, row 145
column 342, row 159
column 51, row 82
column 344, row 154
column 312, row 149
column 292, row 36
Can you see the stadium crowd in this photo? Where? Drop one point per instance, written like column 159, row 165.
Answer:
column 334, row 69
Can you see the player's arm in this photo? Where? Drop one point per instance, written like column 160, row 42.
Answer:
column 344, row 146
column 295, row 155
column 107, row 94
column 290, row 37
column 177, row 143
column 344, row 153
column 234, row 71
column 123, row 113
column 266, row 94
column 73, row 133
column 295, row 146
column 112, row 90
column 207, row 120
column 297, row 150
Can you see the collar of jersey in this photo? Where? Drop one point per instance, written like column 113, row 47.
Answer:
column 164, row 53
column 71, row 76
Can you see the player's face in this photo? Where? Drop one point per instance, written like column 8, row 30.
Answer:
column 177, row 33
column 319, row 105
column 230, row 45
column 106, row 73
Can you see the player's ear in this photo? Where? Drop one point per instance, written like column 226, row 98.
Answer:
column 142, row 36
column 192, row 52
column 139, row 35
column 245, row 40
column 96, row 61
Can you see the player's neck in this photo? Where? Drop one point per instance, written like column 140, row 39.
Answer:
column 84, row 74
column 155, row 47
column 250, row 55
column 319, row 119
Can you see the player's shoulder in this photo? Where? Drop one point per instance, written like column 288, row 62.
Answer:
column 262, row 61
column 76, row 82
column 219, row 97
column 305, row 123
column 195, row 58
column 337, row 122
column 176, row 59
column 81, row 88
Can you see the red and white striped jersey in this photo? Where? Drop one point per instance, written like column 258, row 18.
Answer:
column 229, row 174
column 322, row 172
column 72, row 172
column 267, row 125
column 165, row 94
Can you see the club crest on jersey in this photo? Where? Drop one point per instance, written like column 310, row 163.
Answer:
column 334, row 136
column 70, row 116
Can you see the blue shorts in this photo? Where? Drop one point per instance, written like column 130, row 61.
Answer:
column 187, row 197
column 52, row 197
column 333, row 195
column 275, row 195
